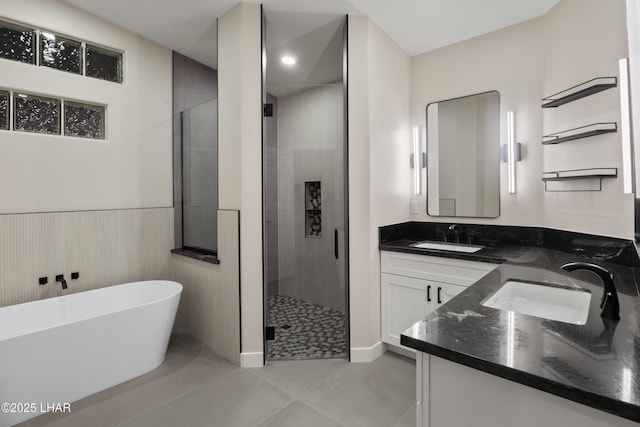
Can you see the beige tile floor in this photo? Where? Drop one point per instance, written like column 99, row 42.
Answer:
column 195, row 387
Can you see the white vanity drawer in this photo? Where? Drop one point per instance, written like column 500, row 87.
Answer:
column 440, row 269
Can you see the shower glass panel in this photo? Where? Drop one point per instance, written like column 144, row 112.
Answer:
column 304, row 146
column 200, row 176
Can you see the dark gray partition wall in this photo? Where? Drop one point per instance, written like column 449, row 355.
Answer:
column 195, row 93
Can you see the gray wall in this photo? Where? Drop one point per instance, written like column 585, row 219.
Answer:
column 310, row 148
column 193, row 84
column 200, row 176
column 271, row 206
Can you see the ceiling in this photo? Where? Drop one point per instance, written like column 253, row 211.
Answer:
column 189, row 26
column 315, row 41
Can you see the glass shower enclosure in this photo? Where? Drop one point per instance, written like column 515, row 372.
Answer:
column 200, row 177
column 304, row 176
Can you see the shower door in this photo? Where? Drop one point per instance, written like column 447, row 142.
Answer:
column 304, row 190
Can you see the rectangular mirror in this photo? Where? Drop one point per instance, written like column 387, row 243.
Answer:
column 463, row 152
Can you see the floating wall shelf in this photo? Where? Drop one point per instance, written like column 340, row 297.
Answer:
column 580, row 132
column 594, row 173
column 579, row 91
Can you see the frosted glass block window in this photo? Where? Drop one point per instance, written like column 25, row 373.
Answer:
column 4, row 110
column 17, row 43
column 83, row 120
column 36, row 114
column 104, row 64
column 60, row 53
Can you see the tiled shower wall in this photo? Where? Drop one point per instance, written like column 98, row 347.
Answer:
column 310, row 148
column 105, row 247
column 271, row 205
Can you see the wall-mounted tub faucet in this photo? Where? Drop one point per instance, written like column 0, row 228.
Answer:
column 60, row 278
column 609, row 305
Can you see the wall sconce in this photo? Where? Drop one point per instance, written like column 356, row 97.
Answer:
column 418, row 161
column 625, row 127
column 511, row 152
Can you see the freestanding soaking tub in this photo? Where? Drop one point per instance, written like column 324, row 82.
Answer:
column 58, row 350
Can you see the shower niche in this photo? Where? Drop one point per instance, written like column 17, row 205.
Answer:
column 313, row 208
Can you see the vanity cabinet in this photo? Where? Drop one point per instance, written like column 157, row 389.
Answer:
column 405, row 300
column 413, row 285
column 449, row 394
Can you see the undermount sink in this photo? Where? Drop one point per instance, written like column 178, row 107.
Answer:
column 441, row 246
column 548, row 301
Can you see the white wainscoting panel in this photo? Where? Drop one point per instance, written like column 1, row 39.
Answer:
column 210, row 306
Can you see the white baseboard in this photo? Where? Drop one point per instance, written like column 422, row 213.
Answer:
column 406, row 352
column 367, row 354
column 252, row 360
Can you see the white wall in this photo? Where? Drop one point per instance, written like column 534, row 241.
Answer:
column 117, row 224
column 576, row 53
column 132, row 169
column 210, row 304
column 524, row 63
column 633, row 25
column 240, row 155
column 379, row 179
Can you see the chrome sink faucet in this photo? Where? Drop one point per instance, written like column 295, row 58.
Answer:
column 444, row 235
column 456, row 233
column 609, row 305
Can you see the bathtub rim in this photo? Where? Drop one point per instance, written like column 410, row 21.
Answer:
column 176, row 293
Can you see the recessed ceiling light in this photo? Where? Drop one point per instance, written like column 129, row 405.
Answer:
column 288, row 60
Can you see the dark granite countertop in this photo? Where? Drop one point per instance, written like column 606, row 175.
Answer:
column 492, row 253
column 503, row 243
column 211, row 258
column 596, row 364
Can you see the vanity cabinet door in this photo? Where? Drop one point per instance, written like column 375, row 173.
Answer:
column 404, row 301
column 412, row 286
column 444, row 292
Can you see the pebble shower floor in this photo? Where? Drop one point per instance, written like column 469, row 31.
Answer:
column 304, row 330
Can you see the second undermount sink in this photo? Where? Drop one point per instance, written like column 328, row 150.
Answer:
column 548, row 301
column 442, row 246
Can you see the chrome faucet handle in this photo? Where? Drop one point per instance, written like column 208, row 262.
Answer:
column 609, row 304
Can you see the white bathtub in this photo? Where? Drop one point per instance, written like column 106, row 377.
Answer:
column 59, row 350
